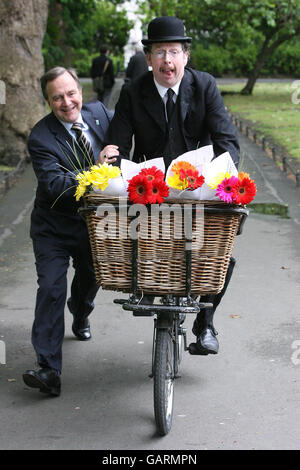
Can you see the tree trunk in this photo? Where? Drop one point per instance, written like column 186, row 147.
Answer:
column 266, row 50
column 22, row 28
column 254, row 74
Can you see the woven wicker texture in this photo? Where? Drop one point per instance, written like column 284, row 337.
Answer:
column 161, row 252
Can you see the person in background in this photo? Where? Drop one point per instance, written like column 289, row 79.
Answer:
column 169, row 111
column 98, row 65
column 137, row 65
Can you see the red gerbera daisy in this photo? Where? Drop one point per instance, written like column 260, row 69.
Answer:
column 158, row 191
column 194, row 180
column 191, row 178
column 244, row 191
column 152, row 173
column 138, row 189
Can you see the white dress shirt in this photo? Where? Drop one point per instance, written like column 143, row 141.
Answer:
column 163, row 92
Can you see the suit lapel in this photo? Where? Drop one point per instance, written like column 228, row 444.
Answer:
column 93, row 123
column 62, row 136
column 69, row 151
column 153, row 103
column 186, row 92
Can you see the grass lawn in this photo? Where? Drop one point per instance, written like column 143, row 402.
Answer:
column 6, row 168
column 271, row 112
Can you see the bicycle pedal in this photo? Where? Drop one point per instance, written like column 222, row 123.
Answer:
column 194, row 351
column 143, row 314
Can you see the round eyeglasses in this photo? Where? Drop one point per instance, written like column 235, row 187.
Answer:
column 161, row 53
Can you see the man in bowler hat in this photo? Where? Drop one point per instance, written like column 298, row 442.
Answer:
column 169, row 111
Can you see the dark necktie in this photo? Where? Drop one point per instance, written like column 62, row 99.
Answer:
column 170, row 103
column 83, row 143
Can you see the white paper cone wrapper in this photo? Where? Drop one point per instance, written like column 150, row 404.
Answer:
column 202, row 160
column 116, row 187
column 130, row 169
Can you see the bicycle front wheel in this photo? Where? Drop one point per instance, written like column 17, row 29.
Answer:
column 163, row 380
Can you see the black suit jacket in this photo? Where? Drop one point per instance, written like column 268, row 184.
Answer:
column 137, row 66
column 50, row 147
column 204, row 120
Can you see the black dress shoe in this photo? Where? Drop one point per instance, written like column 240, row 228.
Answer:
column 81, row 329
column 207, row 342
column 46, row 379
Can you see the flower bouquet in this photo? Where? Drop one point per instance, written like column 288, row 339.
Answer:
column 145, row 181
column 196, row 175
column 100, row 178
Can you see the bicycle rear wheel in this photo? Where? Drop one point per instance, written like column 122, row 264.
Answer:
column 164, row 376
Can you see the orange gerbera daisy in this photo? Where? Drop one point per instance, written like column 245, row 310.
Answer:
column 243, row 175
column 182, row 166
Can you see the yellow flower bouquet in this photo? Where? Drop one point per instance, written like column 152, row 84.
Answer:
column 99, row 178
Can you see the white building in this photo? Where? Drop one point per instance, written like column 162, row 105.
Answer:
column 136, row 33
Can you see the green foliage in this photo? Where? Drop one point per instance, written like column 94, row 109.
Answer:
column 82, row 60
column 214, row 59
column 76, row 28
column 228, row 37
column 111, row 26
column 250, row 30
column 285, row 60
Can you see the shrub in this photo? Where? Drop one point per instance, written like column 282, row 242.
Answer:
column 285, row 60
column 242, row 60
column 214, row 59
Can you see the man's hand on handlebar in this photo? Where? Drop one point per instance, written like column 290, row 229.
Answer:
column 108, row 154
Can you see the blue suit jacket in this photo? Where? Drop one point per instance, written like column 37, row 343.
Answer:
column 50, row 147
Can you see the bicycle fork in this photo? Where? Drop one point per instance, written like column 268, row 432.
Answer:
column 170, row 322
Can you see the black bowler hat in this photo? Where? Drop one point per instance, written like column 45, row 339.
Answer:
column 166, row 29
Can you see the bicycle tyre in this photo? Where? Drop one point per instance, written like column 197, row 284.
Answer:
column 163, row 380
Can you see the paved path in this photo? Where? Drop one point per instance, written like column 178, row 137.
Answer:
column 246, row 397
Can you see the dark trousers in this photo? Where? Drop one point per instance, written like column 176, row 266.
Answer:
column 205, row 317
column 52, row 256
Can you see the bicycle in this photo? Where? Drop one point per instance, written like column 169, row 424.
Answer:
column 169, row 335
column 169, row 342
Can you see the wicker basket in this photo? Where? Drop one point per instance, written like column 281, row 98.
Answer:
column 161, row 262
